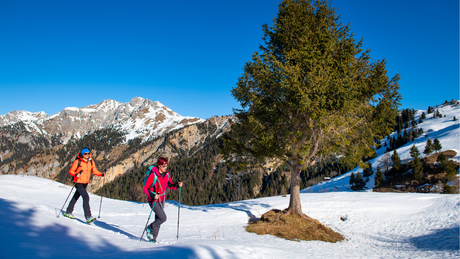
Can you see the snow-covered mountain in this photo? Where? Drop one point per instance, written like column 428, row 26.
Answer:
column 17, row 116
column 138, row 118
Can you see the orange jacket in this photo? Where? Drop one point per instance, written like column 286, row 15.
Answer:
column 84, row 170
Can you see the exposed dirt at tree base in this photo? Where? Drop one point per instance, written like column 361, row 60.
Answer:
column 293, row 227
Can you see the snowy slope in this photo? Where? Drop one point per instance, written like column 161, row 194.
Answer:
column 445, row 129
column 377, row 225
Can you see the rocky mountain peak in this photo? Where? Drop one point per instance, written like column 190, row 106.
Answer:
column 16, row 116
column 139, row 117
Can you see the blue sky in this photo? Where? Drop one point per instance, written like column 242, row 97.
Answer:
column 189, row 54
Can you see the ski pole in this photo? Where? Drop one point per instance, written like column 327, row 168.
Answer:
column 100, row 204
column 178, row 215
column 148, row 220
column 66, row 200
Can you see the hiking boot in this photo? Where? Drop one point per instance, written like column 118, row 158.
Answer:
column 90, row 219
column 150, row 236
column 69, row 215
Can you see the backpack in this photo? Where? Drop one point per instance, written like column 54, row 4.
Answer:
column 147, row 174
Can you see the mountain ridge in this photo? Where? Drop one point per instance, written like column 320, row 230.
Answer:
column 137, row 118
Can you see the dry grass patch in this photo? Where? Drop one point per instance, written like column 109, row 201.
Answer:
column 293, row 227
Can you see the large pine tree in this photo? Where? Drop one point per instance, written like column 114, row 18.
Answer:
column 310, row 91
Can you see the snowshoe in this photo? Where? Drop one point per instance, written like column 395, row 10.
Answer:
column 68, row 215
column 90, row 219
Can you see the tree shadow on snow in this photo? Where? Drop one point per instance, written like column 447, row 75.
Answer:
column 21, row 238
column 441, row 240
column 244, row 207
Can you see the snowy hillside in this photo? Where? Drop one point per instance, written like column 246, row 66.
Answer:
column 376, row 225
column 445, row 129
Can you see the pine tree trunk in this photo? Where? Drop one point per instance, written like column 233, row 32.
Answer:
column 294, row 201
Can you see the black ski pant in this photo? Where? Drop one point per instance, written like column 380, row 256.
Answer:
column 81, row 191
column 160, row 218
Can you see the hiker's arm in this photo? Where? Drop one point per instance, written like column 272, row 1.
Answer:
column 73, row 168
column 174, row 186
column 95, row 171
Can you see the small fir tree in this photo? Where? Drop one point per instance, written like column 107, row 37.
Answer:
column 455, row 118
column 428, row 148
column 423, row 116
column 437, row 145
column 414, row 152
column 446, row 166
column 417, row 168
column 414, row 135
column 358, row 183
column 368, row 171
column 378, row 177
column 396, row 160
column 352, row 179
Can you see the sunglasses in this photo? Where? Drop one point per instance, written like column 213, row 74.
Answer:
column 85, row 154
column 164, row 165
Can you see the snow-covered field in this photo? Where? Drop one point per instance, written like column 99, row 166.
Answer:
column 377, row 225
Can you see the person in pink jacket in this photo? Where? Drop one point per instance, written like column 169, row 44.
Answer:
column 155, row 191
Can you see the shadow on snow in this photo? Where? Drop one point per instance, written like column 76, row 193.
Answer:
column 441, row 240
column 22, row 239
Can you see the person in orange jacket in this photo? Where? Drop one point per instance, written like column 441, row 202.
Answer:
column 81, row 170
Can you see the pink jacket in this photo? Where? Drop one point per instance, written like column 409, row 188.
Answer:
column 160, row 186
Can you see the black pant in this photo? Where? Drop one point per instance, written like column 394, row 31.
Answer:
column 81, row 191
column 160, row 218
